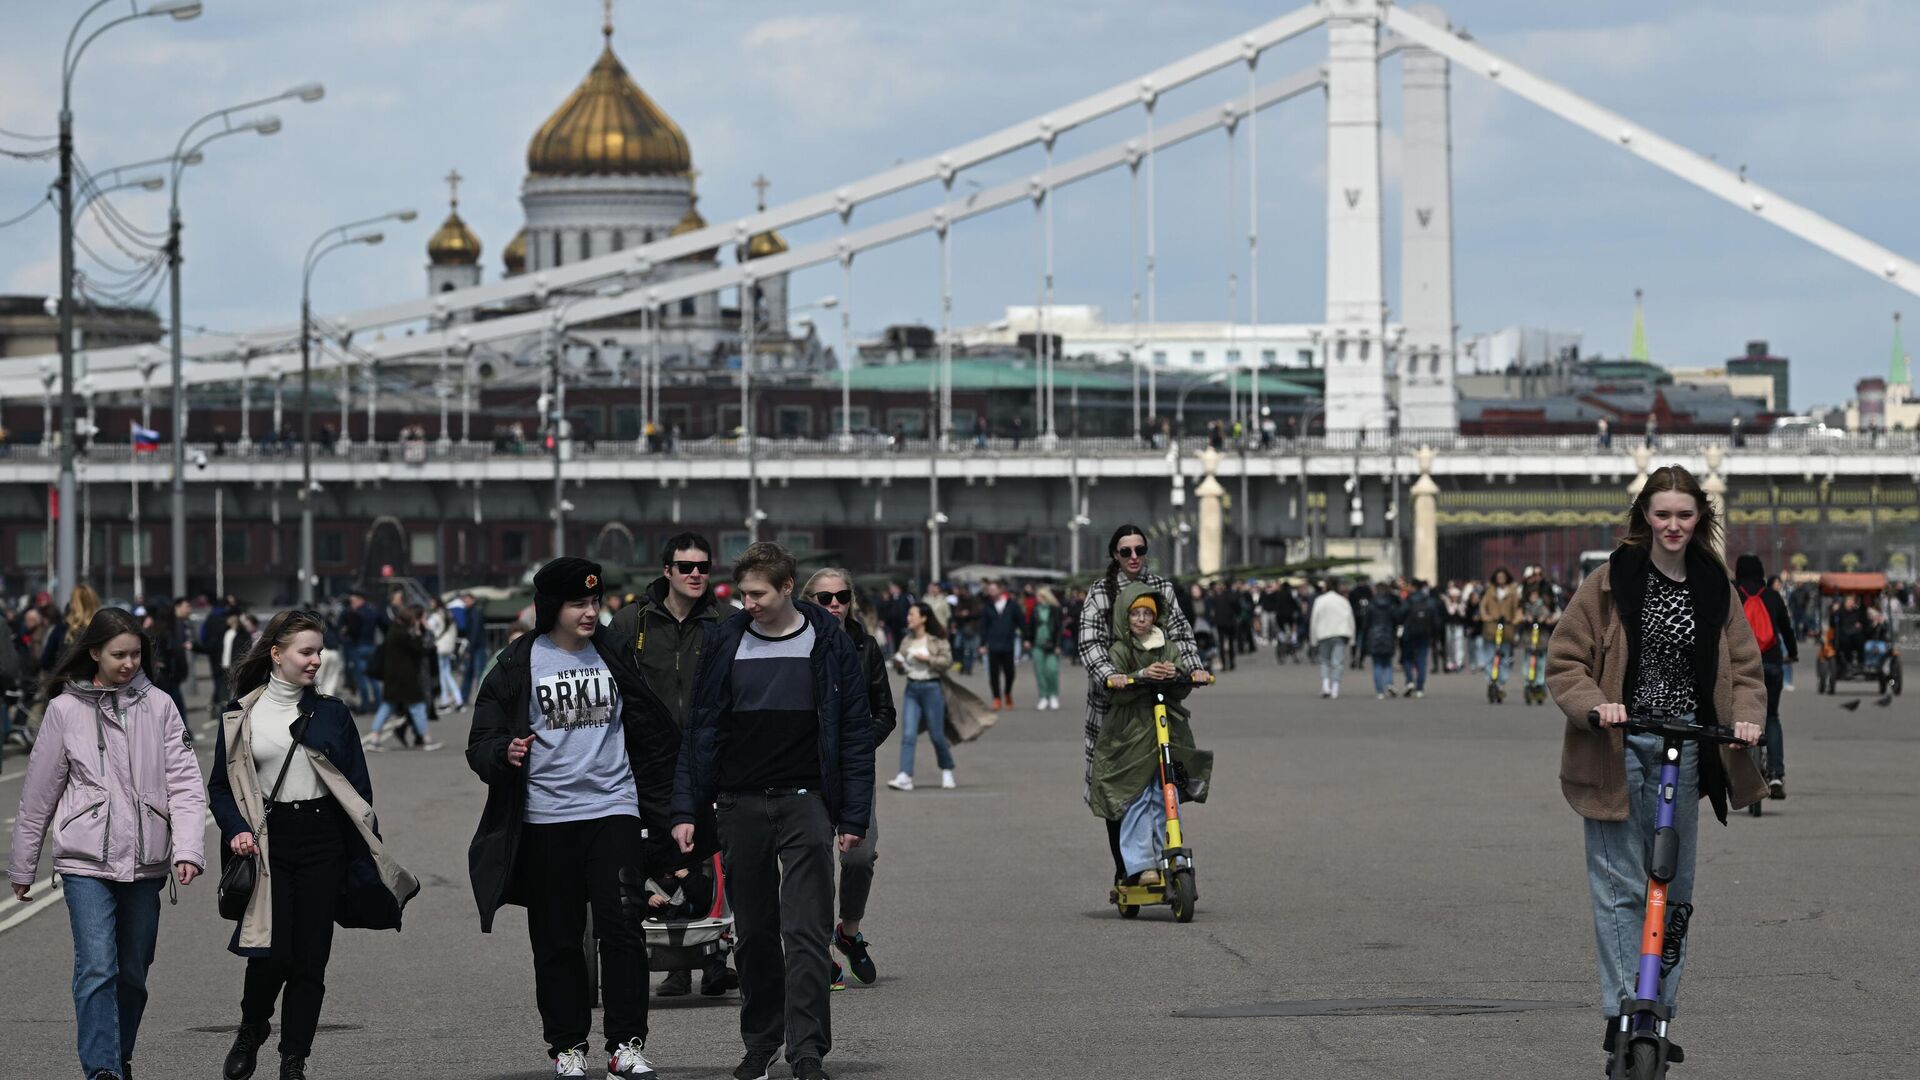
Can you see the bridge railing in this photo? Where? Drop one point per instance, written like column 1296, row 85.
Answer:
column 421, row 451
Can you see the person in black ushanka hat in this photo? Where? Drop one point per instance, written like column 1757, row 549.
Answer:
column 577, row 753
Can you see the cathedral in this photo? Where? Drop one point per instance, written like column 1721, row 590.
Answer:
column 609, row 170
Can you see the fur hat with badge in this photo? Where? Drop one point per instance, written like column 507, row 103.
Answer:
column 563, row 579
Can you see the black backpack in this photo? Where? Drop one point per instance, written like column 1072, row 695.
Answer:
column 1420, row 621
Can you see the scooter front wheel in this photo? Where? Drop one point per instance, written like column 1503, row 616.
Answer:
column 1643, row 1061
column 1181, row 897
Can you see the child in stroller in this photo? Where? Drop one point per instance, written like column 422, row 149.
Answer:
column 688, row 923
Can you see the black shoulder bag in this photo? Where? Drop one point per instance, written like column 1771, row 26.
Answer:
column 239, row 874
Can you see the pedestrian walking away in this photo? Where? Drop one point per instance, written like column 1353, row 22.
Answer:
column 1656, row 629
column 664, row 629
column 832, row 589
column 924, row 659
column 325, row 863
column 1421, row 622
column 577, row 754
column 1330, row 629
column 114, row 784
column 1381, row 637
column 780, row 739
column 1772, row 627
column 403, row 655
column 1126, row 565
column 1002, row 625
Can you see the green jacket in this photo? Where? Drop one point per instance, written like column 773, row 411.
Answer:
column 1126, row 757
column 668, row 648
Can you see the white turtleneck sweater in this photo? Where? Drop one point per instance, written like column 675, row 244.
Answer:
column 274, row 714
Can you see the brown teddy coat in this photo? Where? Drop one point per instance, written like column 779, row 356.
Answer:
column 1588, row 663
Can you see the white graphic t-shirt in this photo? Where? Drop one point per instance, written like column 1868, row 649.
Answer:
column 577, row 767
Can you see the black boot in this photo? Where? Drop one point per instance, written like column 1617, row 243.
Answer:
column 246, row 1051
column 676, row 984
column 293, row 1068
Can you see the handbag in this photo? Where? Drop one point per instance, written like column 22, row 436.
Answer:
column 240, row 874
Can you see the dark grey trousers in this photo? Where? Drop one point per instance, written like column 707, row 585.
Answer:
column 779, row 860
column 856, row 869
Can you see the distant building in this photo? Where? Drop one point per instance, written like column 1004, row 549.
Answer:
column 1517, row 347
column 27, row 328
column 1761, row 386
column 1758, row 361
column 1083, row 331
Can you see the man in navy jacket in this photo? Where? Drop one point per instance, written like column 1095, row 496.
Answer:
column 780, row 739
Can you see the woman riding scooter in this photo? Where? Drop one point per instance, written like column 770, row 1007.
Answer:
column 1655, row 630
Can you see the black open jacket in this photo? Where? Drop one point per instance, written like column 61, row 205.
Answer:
column 500, row 716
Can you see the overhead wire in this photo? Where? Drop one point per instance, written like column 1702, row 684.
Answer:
column 29, row 211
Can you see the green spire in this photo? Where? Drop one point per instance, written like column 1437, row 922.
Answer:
column 1897, row 366
column 1638, row 350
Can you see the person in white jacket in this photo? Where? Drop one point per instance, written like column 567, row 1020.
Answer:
column 446, row 643
column 1330, row 628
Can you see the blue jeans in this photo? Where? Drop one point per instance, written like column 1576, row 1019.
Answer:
column 1413, row 662
column 449, row 688
column 1617, row 868
column 924, row 705
column 1141, row 828
column 476, row 664
column 1332, row 654
column 364, row 687
column 417, row 710
column 1382, row 673
column 115, row 925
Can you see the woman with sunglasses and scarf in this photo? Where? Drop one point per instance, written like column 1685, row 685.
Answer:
column 832, row 588
column 1126, row 565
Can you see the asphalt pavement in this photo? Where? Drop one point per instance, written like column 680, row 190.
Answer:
column 1387, row 889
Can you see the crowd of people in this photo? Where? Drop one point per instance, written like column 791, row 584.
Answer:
column 645, row 754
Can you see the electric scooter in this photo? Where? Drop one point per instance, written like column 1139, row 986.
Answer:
column 1536, row 690
column 1496, row 693
column 1176, row 888
column 1641, row 1048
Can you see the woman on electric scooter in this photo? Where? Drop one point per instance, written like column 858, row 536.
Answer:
column 1633, row 640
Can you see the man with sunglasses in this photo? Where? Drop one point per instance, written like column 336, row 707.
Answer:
column 663, row 630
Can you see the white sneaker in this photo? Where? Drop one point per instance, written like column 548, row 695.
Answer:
column 571, row 1062
column 902, row 782
column 628, row 1063
column 434, row 745
column 946, row 779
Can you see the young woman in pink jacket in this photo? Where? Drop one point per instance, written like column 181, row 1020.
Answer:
column 114, row 783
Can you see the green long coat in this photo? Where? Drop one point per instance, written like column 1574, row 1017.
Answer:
column 1126, row 758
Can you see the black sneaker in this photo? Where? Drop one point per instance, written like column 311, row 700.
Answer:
column 676, row 984
column 754, row 1065
column 1777, row 788
column 293, row 1068
column 717, row 980
column 809, row 1068
column 245, row 1055
column 859, row 961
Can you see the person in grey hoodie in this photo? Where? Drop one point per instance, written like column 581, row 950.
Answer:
column 114, row 782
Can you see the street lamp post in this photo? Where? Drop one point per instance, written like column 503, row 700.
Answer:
column 177, row 403
column 330, row 241
column 557, row 426
column 1180, row 402
column 66, row 545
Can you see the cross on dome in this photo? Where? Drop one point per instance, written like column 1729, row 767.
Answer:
column 453, row 187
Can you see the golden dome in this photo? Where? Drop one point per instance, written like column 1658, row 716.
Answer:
column 693, row 222
column 454, row 244
column 515, row 255
column 608, row 126
column 762, row 244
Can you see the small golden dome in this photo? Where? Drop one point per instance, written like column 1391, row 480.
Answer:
column 608, row 126
column 454, row 244
column 760, row 245
column 515, row 255
column 693, row 222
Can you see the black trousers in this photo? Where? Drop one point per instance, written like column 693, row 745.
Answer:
column 1229, row 637
column 564, row 868
column 856, row 870
column 779, row 859
column 306, row 870
column 1000, row 672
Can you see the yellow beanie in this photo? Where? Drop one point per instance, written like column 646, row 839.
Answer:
column 1145, row 600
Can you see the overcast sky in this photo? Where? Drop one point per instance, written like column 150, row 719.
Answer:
column 1553, row 227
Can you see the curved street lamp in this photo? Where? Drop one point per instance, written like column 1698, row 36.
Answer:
column 66, row 541
column 323, row 245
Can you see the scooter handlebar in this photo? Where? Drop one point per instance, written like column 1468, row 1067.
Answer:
column 1165, row 683
column 1665, row 727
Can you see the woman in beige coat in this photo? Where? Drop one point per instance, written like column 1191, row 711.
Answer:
column 1655, row 629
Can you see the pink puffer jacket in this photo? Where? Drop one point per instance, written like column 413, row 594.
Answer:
column 115, row 786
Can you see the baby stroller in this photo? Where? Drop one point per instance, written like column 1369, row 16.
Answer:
column 1206, row 641
column 675, row 942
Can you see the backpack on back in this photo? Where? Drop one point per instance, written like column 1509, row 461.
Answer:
column 1419, row 621
column 1758, row 617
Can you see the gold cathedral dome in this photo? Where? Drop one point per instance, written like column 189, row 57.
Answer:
column 515, row 254
column 609, row 126
column 453, row 244
column 693, row 222
column 761, row 244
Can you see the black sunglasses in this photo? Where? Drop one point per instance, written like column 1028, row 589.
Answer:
column 844, row 596
column 1131, row 552
column 682, row 566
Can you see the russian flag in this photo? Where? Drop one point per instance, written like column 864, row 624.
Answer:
column 145, row 440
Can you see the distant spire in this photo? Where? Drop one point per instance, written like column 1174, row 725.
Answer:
column 760, row 186
column 606, row 27
column 1638, row 350
column 1897, row 367
column 453, row 188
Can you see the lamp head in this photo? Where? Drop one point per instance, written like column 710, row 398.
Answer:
column 179, row 9
column 307, row 92
column 404, row 215
column 194, row 158
column 370, row 238
column 266, row 125
column 150, row 183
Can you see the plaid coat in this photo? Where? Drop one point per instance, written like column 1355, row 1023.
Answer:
column 1095, row 636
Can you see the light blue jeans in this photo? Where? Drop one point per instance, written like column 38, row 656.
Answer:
column 1143, row 828
column 1617, row 868
column 1332, row 653
column 1382, row 673
column 417, row 711
column 450, row 686
column 924, row 704
column 115, row 926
